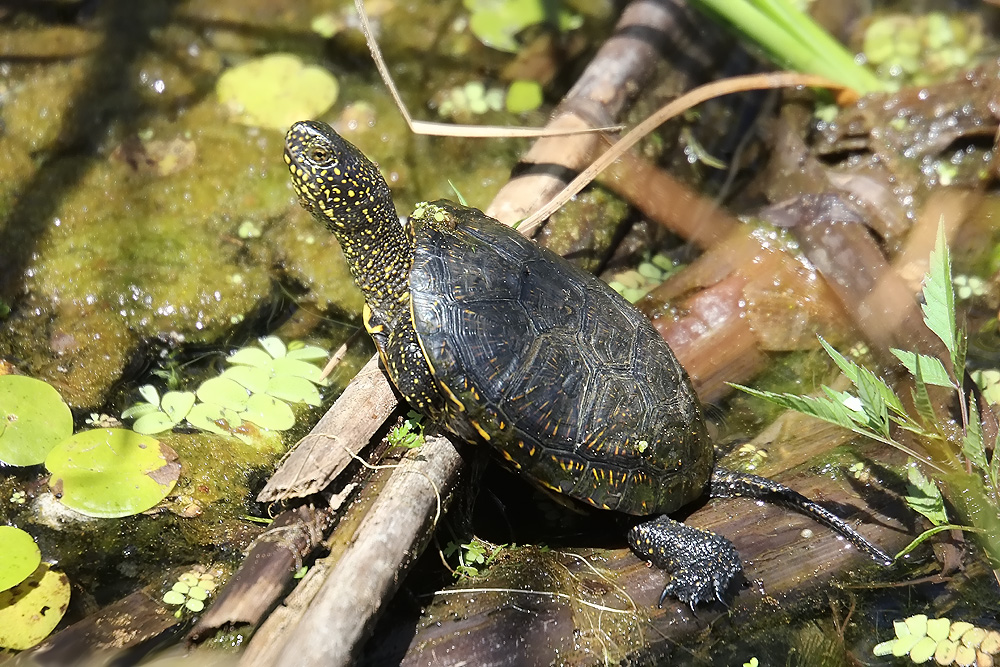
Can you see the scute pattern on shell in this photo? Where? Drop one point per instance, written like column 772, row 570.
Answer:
column 567, row 380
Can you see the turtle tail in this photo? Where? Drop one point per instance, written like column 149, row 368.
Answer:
column 732, row 484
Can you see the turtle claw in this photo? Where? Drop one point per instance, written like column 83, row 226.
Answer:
column 701, row 564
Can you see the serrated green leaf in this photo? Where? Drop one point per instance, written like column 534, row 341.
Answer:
column 826, row 408
column 225, row 392
column 139, row 410
column 254, row 378
column 847, row 367
column 931, row 368
column 873, row 400
column 148, row 392
column 939, row 299
column 308, row 353
column 154, row 422
column 205, row 416
column 924, row 496
column 294, row 368
column 177, row 404
column 972, row 443
column 921, row 399
column 293, row 390
column 273, row 346
column 268, row 412
column 250, row 356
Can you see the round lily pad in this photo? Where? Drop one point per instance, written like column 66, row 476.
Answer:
column 33, row 608
column 112, row 472
column 33, row 420
column 18, row 558
column 276, row 90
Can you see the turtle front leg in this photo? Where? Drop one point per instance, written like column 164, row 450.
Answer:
column 701, row 564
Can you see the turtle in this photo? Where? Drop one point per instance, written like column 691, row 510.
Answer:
column 501, row 342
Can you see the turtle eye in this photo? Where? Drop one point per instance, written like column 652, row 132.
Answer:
column 320, row 154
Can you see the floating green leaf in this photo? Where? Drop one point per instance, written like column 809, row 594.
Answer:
column 273, row 346
column 140, row 410
column 293, row 390
column 306, row 352
column 276, row 90
column 496, row 23
column 33, row 608
column 524, row 95
column 250, row 356
column 206, row 415
column 18, row 558
column 295, row 368
column 33, row 420
column 112, row 472
column 153, row 423
column 254, row 378
column 268, row 412
column 225, row 392
column 177, row 404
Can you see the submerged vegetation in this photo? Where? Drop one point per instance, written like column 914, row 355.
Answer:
column 958, row 458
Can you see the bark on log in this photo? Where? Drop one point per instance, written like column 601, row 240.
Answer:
column 367, row 574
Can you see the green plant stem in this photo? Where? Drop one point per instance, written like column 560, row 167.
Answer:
column 977, row 508
column 795, row 40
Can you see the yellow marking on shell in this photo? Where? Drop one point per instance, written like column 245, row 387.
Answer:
column 475, row 424
column 448, row 392
column 511, row 459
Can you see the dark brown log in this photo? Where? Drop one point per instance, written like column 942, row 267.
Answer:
column 367, row 574
column 585, row 606
column 266, row 572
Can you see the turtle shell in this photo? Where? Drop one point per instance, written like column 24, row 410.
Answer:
column 551, row 367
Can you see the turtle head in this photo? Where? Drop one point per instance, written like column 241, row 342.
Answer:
column 335, row 181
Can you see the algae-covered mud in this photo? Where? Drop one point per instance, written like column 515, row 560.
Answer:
column 166, row 306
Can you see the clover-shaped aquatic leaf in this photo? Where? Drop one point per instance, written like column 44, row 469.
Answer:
column 273, row 346
column 250, row 356
column 225, row 392
column 293, row 390
column 268, row 412
column 254, row 378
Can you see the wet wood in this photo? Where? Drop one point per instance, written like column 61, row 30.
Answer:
column 572, row 614
column 266, row 573
column 648, row 33
column 127, row 624
column 394, row 532
column 366, row 404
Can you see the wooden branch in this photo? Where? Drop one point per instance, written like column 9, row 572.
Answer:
column 361, row 581
column 344, row 430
